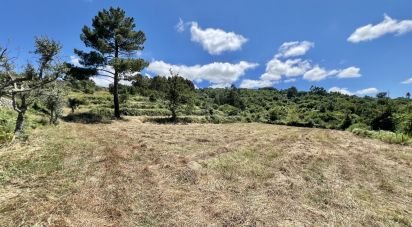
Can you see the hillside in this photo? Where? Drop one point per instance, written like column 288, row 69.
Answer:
column 129, row 173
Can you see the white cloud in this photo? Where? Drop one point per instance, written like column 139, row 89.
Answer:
column 256, row 83
column 317, row 73
column 277, row 68
column 344, row 91
column 363, row 92
column 408, row 81
column 283, row 66
column 181, row 25
column 387, row 26
column 295, row 48
column 350, row 72
column 289, row 80
column 367, row 91
column 218, row 74
column 216, row 41
column 75, row 60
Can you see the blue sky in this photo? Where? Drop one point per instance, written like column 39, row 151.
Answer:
column 248, row 43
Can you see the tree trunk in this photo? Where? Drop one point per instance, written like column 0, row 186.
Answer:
column 51, row 121
column 20, row 123
column 116, row 86
column 174, row 115
column 116, row 97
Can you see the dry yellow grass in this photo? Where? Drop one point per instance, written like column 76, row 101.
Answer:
column 130, row 173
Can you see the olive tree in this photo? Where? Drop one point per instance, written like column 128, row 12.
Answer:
column 26, row 87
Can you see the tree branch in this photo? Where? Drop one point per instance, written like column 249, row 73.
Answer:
column 13, row 98
column 3, row 53
column 107, row 71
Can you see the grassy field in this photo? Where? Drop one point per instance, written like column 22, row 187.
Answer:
column 129, row 173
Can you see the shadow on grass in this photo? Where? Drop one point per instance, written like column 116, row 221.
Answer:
column 168, row 120
column 87, row 118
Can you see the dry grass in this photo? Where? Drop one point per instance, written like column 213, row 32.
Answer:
column 143, row 174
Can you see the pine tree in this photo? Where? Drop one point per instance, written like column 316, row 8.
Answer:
column 114, row 41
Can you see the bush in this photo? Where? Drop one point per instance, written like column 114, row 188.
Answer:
column 144, row 112
column 229, row 110
column 7, row 121
column 405, row 124
column 346, row 123
column 358, row 126
column 385, row 136
column 152, row 98
column 384, row 121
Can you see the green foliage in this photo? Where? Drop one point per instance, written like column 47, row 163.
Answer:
column 346, row 123
column 86, row 86
column 53, row 99
column 7, row 119
column 388, row 137
column 114, row 41
column 384, row 120
column 291, row 92
column 276, row 114
column 405, row 123
column 180, row 91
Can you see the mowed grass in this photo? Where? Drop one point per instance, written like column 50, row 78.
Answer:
column 129, row 173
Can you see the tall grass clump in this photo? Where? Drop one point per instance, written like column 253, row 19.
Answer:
column 385, row 136
column 7, row 121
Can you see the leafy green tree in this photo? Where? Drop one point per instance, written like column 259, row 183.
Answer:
column 180, row 91
column 381, row 95
column 384, row 120
column 291, row 92
column 318, row 90
column 53, row 99
column 233, row 97
column 115, row 42
column 159, row 84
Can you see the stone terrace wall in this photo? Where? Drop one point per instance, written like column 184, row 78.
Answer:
column 6, row 103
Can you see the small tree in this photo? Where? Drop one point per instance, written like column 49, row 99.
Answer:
column 408, row 95
column 291, row 92
column 233, row 97
column 317, row 90
column 114, row 41
column 381, row 95
column 73, row 104
column 180, row 91
column 54, row 101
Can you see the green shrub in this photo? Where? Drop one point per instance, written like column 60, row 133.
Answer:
column 404, row 124
column 144, row 112
column 358, row 126
column 385, row 136
column 7, row 121
column 229, row 110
